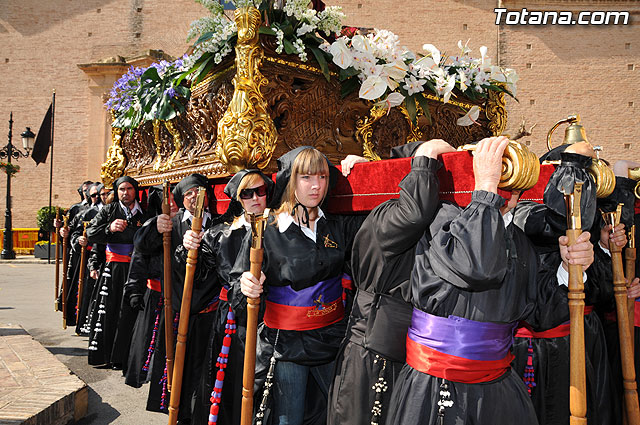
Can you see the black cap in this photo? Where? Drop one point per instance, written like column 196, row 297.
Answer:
column 189, row 182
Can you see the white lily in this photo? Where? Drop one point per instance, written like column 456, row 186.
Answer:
column 433, row 52
column 444, row 84
column 394, row 99
column 485, row 61
column 464, row 49
column 361, row 44
column 341, row 53
column 463, row 79
column 471, row 117
column 413, row 85
column 396, row 70
column 373, row 87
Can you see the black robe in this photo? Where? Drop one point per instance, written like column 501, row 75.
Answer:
column 112, row 319
column 382, row 258
column 469, row 265
column 146, row 330
column 96, row 261
column 293, row 259
column 149, row 242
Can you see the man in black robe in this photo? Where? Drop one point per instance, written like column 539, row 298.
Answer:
column 383, row 254
column 204, row 299
column 112, row 320
column 474, row 277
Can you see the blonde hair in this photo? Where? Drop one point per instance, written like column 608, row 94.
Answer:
column 249, row 180
column 309, row 161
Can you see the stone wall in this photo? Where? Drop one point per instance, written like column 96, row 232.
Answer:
column 594, row 71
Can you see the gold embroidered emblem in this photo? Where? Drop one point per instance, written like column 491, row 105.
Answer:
column 328, row 243
column 322, row 309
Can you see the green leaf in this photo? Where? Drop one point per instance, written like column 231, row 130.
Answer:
column 348, row 73
column 202, row 71
column 349, row 86
column 410, row 104
column 288, row 47
column 266, row 30
column 322, row 61
column 424, row 104
column 204, row 37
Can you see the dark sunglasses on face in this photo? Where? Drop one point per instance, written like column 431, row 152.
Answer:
column 248, row 193
column 95, row 195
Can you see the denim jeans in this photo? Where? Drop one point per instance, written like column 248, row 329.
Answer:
column 291, row 386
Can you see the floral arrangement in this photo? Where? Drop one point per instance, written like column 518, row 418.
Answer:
column 374, row 64
column 144, row 94
column 9, row 168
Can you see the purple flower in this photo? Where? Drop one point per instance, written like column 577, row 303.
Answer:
column 171, row 92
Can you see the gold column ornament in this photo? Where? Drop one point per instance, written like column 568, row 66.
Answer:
column 496, row 112
column 115, row 164
column 520, row 166
column 246, row 133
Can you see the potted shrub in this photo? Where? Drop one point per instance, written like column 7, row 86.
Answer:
column 44, row 218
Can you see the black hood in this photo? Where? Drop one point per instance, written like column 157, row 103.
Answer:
column 124, row 179
column 189, row 182
column 154, row 200
column 285, row 168
column 231, row 189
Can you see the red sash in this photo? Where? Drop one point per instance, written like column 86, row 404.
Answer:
column 525, row 331
column 223, row 294
column 154, row 285
column 279, row 316
column 112, row 257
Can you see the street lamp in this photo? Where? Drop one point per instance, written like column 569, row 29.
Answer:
column 11, row 152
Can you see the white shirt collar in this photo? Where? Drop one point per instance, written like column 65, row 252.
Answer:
column 136, row 208
column 507, row 218
column 205, row 217
column 285, row 219
column 239, row 222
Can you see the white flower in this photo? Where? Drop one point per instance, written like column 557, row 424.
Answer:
column 330, row 20
column 413, row 85
column 433, row 52
column 464, row 49
column 394, row 99
column 279, row 41
column 341, row 53
column 396, row 70
column 373, row 87
column 462, row 79
column 298, row 44
column 471, row 117
column 361, row 44
column 444, row 85
column 304, row 28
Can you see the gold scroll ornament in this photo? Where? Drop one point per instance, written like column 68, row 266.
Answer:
column 634, row 174
column 246, row 134
column 177, row 145
column 114, row 166
column 365, row 126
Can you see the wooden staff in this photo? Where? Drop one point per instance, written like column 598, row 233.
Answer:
column 258, row 225
column 626, row 351
column 630, row 268
column 168, row 309
column 185, row 309
column 83, row 269
column 578, row 379
column 57, row 288
column 65, row 265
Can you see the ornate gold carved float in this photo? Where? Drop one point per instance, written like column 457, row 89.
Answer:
column 256, row 106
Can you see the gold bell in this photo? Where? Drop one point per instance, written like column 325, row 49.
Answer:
column 574, row 133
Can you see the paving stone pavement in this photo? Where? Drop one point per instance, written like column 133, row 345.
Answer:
column 26, row 301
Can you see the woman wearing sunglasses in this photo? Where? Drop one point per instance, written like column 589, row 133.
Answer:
column 218, row 247
column 306, row 253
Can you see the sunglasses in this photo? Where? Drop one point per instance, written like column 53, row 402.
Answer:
column 248, row 193
column 95, row 195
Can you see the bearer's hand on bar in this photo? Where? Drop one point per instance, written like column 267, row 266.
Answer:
column 580, row 253
column 64, row 232
column 487, row 163
column 250, row 286
column 433, row 148
column 164, row 223
column 118, row 225
column 347, row 164
column 621, row 167
column 94, row 274
column 634, row 289
column 619, row 237
column 191, row 239
column 83, row 241
column 582, row 148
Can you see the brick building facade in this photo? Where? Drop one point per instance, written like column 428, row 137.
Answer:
column 77, row 48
